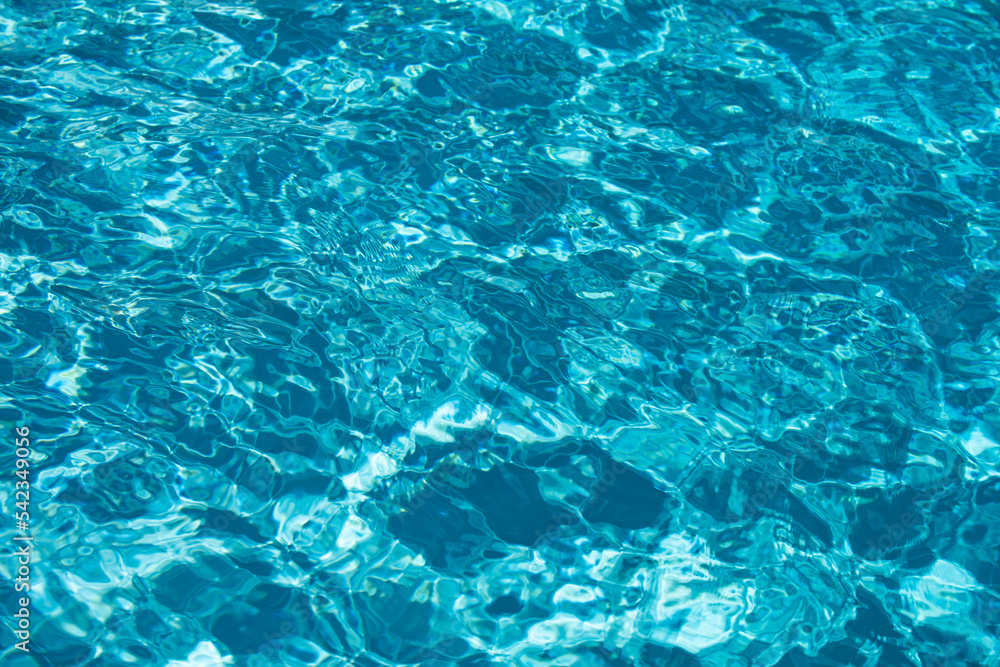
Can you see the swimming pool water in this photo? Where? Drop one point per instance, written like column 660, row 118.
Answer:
column 470, row 332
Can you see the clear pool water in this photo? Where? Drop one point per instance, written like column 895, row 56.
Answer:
column 471, row 332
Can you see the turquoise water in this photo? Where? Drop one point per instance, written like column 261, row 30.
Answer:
column 502, row 333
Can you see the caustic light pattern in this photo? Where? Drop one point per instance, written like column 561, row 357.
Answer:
column 482, row 333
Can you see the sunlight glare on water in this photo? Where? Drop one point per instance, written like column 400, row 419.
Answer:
column 502, row 333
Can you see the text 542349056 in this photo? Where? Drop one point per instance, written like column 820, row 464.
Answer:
column 22, row 551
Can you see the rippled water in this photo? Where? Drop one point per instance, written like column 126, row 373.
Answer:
column 477, row 333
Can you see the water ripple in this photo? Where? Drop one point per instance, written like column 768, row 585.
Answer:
column 504, row 333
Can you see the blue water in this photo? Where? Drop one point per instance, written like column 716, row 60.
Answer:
column 472, row 332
